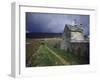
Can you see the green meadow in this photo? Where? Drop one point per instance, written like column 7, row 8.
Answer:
column 41, row 53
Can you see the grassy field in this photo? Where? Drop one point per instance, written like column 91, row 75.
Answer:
column 41, row 53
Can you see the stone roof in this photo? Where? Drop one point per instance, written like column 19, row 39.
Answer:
column 75, row 28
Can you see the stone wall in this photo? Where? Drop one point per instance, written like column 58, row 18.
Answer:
column 80, row 49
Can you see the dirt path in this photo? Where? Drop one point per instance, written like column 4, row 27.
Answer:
column 29, row 62
column 52, row 52
column 60, row 58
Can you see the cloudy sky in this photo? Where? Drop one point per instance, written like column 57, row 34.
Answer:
column 54, row 23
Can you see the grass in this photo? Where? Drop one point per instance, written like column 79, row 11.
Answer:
column 45, row 58
column 41, row 53
column 31, row 48
column 71, row 58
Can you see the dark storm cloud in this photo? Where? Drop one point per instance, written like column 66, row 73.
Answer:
column 85, row 22
column 53, row 23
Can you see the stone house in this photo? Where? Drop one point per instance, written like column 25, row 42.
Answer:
column 74, row 40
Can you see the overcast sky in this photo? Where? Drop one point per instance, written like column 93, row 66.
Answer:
column 54, row 23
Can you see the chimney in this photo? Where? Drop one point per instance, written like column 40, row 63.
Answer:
column 74, row 22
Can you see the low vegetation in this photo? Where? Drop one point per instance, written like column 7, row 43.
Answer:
column 41, row 53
